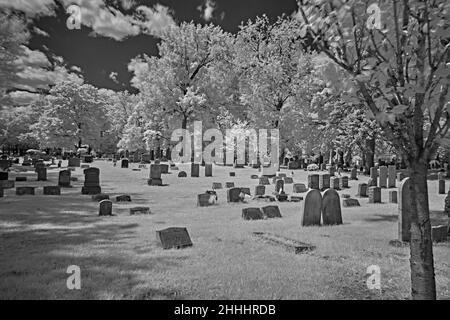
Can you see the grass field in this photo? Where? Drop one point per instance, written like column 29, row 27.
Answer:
column 120, row 258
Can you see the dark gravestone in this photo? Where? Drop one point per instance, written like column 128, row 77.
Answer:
column 264, row 181
column 195, row 170
column 88, row 159
column 260, row 190
column 123, row 198
column 391, row 176
column 91, row 181
column 362, row 190
column 288, row 180
column 279, row 186
column 373, row 176
column 393, row 196
column 343, row 182
column 99, row 197
column 383, row 179
column 331, row 171
column 208, row 170
column 350, row 202
column 439, row 233
column 331, row 208
column 296, row 199
column 4, row 175
column 232, row 174
column 182, row 174
column 313, row 181
column 229, row 184
column 246, row 190
column 164, row 168
column 174, row 238
column 374, row 194
column 354, row 174
column 324, row 181
column 334, row 183
column 252, row 214
column 299, row 188
column 74, row 162
column 139, row 210
column 105, row 208
column 404, row 210
column 312, row 208
column 41, row 173
column 52, row 190
column 155, row 175
column 271, row 212
column 233, row 195
column 20, row 191
column 205, row 200
column 124, row 163
column 216, row 185
column 441, row 186
column 21, row 179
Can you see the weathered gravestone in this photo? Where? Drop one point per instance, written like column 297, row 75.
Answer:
column 74, row 162
column 271, row 212
column 343, row 182
column 391, row 176
column 229, row 184
column 233, row 195
column 155, row 175
column 64, row 178
column 331, row 208
column 362, row 190
column 174, row 237
column 20, row 191
column 264, row 181
column 99, row 197
column 324, row 181
column 331, row 171
column 123, row 198
column 164, row 168
column 260, row 190
column 279, row 186
column 404, row 210
column 195, row 170
column 288, row 180
column 354, row 174
column 313, row 181
column 208, row 169
column 374, row 194
column 374, row 177
column 91, row 181
column 216, row 185
column 139, row 210
column 299, row 188
column 52, row 190
column 383, row 177
column 393, row 196
column 334, row 183
column 105, row 208
column 88, row 159
column 441, row 186
column 124, row 163
column 350, row 202
column 41, row 173
column 182, row 174
column 206, row 199
column 439, row 233
column 312, row 208
column 252, row 214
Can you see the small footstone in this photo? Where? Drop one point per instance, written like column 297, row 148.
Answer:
column 252, row 214
column 139, row 210
column 182, row 174
column 232, row 174
column 233, row 195
column 100, row 197
column 52, row 190
column 205, row 200
column 271, row 212
column 105, row 208
column 264, row 181
column 296, row 199
column 93, row 190
column 288, row 180
column 174, row 237
column 123, row 198
column 216, row 185
column 299, row 188
column 350, row 202
column 260, row 190
column 229, row 184
column 20, row 191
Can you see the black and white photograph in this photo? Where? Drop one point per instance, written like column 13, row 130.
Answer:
column 223, row 158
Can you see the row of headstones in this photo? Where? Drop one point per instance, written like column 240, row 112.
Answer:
column 318, row 208
column 47, row 190
column 384, row 177
column 325, row 181
column 374, row 193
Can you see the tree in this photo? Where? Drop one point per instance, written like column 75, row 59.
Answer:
column 400, row 72
column 74, row 115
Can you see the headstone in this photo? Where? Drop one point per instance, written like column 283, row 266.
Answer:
column 41, row 173
column 233, row 195
column 88, row 159
column 393, row 196
column 99, row 197
column 182, row 174
column 205, row 200
column 229, row 184
column 350, row 202
column 324, row 181
column 21, row 179
column 123, row 198
column 279, row 186
column 4, row 175
column 313, row 181
column 164, row 168
column 404, row 210
column 20, row 191
column 288, row 180
column 91, row 181
column 331, row 208
column 52, row 190
column 105, row 208
column 216, row 185
column 232, row 174
column 74, row 162
column 439, row 233
column 124, row 163
column 334, row 183
column 383, row 177
column 331, row 171
column 354, row 174
column 312, row 208
column 362, row 190
column 195, row 170
column 271, row 212
column 343, row 182
column 208, row 169
column 139, row 210
column 252, row 214
column 174, row 238
column 299, row 188
column 441, row 186
column 155, row 175
column 264, row 181
column 246, row 190
column 373, row 176
column 374, row 194
column 391, row 176
column 260, row 190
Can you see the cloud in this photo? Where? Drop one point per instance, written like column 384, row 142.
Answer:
column 40, row 32
column 31, row 8
column 23, row 97
column 207, row 9
column 154, row 20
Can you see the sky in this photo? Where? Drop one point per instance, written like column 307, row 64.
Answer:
column 112, row 32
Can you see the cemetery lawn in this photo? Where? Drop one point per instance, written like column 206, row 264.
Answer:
column 120, row 257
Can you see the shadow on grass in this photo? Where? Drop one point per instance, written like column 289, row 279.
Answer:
column 381, row 218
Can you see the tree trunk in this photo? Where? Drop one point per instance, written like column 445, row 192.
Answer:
column 369, row 155
column 423, row 286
